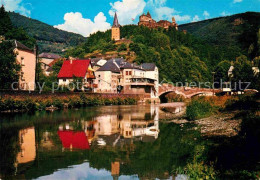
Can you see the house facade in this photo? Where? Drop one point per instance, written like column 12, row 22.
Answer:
column 119, row 76
column 27, row 59
column 72, row 69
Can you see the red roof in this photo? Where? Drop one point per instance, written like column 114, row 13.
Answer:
column 77, row 68
column 77, row 140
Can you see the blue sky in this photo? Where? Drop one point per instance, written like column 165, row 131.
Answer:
column 88, row 16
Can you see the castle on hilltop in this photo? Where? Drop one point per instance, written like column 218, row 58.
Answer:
column 146, row 20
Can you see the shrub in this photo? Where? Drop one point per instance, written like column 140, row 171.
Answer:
column 198, row 108
column 74, row 101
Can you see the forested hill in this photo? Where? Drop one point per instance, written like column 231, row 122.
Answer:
column 208, row 46
column 48, row 38
column 237, row 32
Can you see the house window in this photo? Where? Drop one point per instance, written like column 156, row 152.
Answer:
column 22, row 78
column 22, row 61
column 130, row 73
column 126, row 73
column 64, row 80
column 99, row 76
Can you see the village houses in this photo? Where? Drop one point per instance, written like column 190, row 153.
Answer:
column 119, row 76
column 72, row 69
column 47, row 60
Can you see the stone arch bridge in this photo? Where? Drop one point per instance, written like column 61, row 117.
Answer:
column 187, row 92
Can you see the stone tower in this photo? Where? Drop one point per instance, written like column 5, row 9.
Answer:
column 115, row 29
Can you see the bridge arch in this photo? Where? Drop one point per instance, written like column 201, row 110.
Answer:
column 162, row 96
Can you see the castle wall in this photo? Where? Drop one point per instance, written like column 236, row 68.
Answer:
column 147, row 21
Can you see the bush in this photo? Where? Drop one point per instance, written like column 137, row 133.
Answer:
column 73, row 101
column 198, row 108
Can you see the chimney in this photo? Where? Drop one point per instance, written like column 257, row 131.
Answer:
column 71, row 59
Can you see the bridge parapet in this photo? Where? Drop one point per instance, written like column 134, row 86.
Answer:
column 187, row 92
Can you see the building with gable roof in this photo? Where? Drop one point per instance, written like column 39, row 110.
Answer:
column 77, row 68
column 27, row 59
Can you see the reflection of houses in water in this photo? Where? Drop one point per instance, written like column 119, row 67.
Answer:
column 73, row 140
column 115, row 169
column 110, row 129
column 27, row 144
column 46, row 142
column 113, row 129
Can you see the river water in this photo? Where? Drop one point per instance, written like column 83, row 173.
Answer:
column 108, row 142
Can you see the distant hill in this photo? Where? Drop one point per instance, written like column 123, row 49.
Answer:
column 238, row 31
column 48, row 38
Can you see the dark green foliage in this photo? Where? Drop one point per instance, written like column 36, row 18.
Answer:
column 221, row 72
column 49, row 38
column 8, row 67
column 243, row 73
column 31, row 104
column 5, row 22
column 20, row 35
column 122, row 47
column 198, row 108
column 228, row 36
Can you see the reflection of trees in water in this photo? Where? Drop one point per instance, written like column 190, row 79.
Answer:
column 239, row 153
column 9, row 148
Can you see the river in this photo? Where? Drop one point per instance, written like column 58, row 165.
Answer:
column 108, row 142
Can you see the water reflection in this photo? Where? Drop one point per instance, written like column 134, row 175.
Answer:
column 105, row 142
column 27, row 146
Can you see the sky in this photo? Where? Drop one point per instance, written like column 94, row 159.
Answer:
column 88, row 16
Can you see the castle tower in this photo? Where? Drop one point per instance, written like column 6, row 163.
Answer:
column 115, row 29
column 174, row 23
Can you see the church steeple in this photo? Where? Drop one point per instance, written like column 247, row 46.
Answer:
column 115, row 23
column 115, row 33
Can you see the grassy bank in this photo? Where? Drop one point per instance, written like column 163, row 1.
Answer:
column 11, row 103
column 202, row 107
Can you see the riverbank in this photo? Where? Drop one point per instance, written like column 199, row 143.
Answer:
column 231, row 133
column 50, row 102
column 222, row 124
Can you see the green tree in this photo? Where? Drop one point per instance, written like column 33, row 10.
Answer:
column 8, row 66
column 57, row 66
column 5, row 22
column 243, row 73
column 122, row 47
column 222, row 71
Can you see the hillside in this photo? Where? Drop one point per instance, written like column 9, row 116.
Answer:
column 181, row 57
column 238, row 31
column 48, row 38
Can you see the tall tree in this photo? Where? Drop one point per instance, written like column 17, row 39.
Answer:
column 8, row 66
column 5, row 22
column 243, row 73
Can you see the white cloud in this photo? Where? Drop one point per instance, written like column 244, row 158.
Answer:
column 74, row 22
column 127, row 10
column 195, row 18
column 206, row 14
column 182, row 18
column 224, row 13
column 163, row 12
column 17, row 6
column 237, row 1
